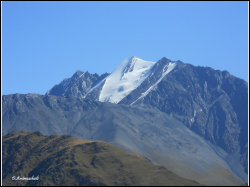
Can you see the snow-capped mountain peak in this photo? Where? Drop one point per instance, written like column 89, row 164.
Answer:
column 124, row 79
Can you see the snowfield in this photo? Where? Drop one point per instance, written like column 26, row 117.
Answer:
column 124, row 79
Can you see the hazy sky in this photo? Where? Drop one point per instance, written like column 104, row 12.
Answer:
column 46, row 42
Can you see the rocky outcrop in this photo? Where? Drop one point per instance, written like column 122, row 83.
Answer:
column 78, row 85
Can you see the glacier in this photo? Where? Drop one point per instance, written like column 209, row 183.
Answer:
column 124, row 79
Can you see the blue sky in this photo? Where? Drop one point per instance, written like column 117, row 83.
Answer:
column 46, row 42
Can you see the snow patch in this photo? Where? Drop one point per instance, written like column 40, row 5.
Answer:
column 67, row 81
column 82, row 74
column 192, row 119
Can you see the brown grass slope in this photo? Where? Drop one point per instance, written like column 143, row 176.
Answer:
column 65, row 160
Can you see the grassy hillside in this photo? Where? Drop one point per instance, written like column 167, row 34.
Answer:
column 65, row 160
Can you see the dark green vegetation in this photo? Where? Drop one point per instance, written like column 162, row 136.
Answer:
column 65, row 160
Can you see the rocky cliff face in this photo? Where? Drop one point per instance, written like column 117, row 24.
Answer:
column 203, row 98
column 78, row 85
column 210, row 102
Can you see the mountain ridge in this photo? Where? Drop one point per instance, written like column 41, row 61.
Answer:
column 211, row 103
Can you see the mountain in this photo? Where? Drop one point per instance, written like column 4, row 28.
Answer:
column 65, row 160
column 124, row 79
column 113, row 87
column 212, row 103
column 79, row 84
column 192, row 120
column 145, row 131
